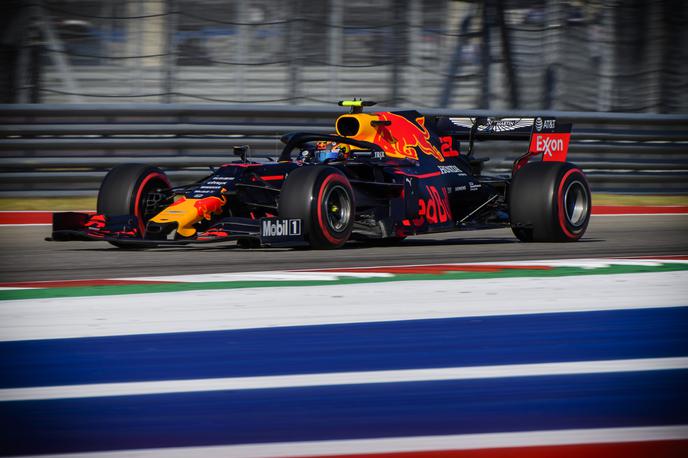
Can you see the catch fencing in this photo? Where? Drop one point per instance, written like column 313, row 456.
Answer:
column 62, row 150
column 603, row 55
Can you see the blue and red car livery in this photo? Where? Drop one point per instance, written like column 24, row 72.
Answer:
column 380, row 176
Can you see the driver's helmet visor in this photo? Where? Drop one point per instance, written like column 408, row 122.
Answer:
column 325, row 150
column 325, row 155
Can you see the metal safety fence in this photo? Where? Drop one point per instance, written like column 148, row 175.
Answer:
column 59, row 150
column 602, row 55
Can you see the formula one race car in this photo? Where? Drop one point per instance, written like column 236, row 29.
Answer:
column 384, row 176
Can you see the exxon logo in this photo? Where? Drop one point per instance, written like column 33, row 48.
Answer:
column 547, row 146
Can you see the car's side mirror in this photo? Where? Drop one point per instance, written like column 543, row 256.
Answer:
column 242, row 151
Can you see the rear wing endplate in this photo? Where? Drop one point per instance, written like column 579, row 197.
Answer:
column 547, row 137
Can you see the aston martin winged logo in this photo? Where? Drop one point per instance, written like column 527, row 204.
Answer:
column 463, row 122
column 505, row 124
column 494, row 124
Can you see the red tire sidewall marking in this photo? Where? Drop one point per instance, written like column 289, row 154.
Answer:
column 560, row 204
column 321, row 222
column 142, row 186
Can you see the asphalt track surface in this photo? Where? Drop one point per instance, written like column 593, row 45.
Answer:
column 27, row 257
column 635, row 340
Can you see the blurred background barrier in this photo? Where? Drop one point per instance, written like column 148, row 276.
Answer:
column 582, row 55
column 66, row 149
column 88, row 84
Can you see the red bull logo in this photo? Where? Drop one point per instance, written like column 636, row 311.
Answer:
column 402, row 138
column 435, row 208
column 208, row 206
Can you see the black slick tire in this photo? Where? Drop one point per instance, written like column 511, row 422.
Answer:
column 124, row 191
column 549, row 202
column 322, row 197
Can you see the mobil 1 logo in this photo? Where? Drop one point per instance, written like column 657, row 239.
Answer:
column 280, row 230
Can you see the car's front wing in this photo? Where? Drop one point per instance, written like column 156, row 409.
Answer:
column 71, row 226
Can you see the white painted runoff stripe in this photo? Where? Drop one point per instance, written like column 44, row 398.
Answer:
column 364, row 272
column 277, row 275
column 406, row 444
column 340, row 378
column 226, row 309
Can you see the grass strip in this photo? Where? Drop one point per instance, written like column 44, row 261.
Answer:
column 47, row 203
column 638, row 200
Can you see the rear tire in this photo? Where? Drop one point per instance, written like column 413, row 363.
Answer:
column 125, row 191
column 323, row 198
column 549, row 202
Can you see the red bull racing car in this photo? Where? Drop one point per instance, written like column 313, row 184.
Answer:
column 381, row 176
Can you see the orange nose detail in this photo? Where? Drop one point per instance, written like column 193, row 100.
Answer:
column 187, row 212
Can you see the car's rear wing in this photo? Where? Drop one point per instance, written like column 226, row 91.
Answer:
column 547, row 137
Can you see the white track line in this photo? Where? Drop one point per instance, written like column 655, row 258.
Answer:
column 274, row 275
column 340, row 378
column 323, row 274
column 407, row 444
column 226, row 309
column 13, row 288
column 583, row 263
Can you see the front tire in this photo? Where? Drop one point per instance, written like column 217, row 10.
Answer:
column 126, row 190
column 323, row 198
column 549, row 202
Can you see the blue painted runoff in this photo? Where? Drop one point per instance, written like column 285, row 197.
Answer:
column 451, row 342
column 345, row 412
